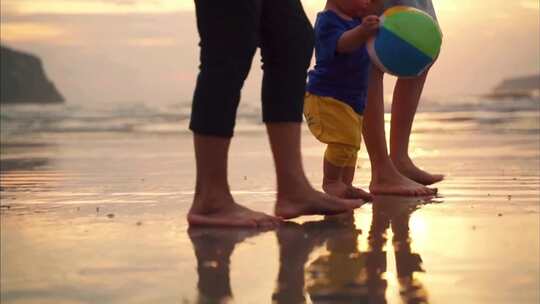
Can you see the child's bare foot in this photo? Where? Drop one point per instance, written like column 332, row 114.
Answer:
column 308, row 201
column 227, row 213
column 342, row 190
column 390, row 181
column 354, row 192
column 410, row 170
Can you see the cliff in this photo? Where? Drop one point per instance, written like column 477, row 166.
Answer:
column 23, row 80
column 525, row 86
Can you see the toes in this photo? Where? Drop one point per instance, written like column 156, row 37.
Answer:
column 425, row 191
column 265, row 224
column 274, row 222
column 407, row 191
column 204, row 220
column 418, row 192
column 353, row 204
column 198, row 220
column 333, row 205
column 437, row 178
column 359, row 193
column 369, row 196
column 266, row 221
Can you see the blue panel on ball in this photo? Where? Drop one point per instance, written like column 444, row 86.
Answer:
column 398, row 56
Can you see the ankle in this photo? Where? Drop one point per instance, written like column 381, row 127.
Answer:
column 400, row 158
column 384, row 171
column 292, row 183
column 294, row 192
column 208, row 201
column 330, row 181
column 382, row 165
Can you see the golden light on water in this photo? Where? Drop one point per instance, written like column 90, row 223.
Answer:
column 419, row 227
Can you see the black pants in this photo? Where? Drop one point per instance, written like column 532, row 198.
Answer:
column 230, row 32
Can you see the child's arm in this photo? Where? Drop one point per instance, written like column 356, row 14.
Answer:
column 352, row 39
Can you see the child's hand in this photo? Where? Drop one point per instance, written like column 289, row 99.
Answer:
column 371, row 23
column 354, row 38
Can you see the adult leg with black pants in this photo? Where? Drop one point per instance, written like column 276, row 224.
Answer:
column 229, row 36
column 228, row 42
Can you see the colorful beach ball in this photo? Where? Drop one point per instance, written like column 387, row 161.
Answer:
column 408, row 42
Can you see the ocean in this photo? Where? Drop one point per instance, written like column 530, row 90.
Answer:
column 451, row 114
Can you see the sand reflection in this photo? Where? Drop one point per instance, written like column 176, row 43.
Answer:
column 395, row 213
column 213, row 249
column 321, row 261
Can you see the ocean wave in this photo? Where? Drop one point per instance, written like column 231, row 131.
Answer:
column 450, row 114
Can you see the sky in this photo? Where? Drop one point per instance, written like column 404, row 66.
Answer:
column 146, row 50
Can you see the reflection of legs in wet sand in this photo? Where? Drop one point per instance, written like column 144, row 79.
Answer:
column 377, row 255
column 407, row 263
column 213, row 248
column 296, row 242
column 342, row 276
column 395, row 212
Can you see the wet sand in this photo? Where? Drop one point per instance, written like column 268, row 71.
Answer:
column 100, row 218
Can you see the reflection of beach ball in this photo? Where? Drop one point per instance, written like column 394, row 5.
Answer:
column 408, row 42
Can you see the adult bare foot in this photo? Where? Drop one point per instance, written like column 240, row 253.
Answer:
column 310, row 202
column 227, row 213
column 406, row 167
column 390, row 181
column 400, row 186
column 342, row 190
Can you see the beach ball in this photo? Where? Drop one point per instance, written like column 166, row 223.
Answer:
column 407, row 43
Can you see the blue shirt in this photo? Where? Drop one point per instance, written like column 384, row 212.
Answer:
column 338, row 75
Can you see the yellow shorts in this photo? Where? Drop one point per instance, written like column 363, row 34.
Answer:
column 334, row 123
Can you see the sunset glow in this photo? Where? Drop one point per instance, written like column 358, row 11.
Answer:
column 492, row 38
column 25, row 7
column 30, row 31
column 22, row 7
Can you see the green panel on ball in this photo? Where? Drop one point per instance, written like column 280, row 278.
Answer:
column 417, row 28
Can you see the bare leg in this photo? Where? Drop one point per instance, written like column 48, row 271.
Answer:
column 332, row 180
column 385, row 178
column 213, row 203
column 348, row 177
column 338, row 182
column 295, row 195
column 405, row 101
